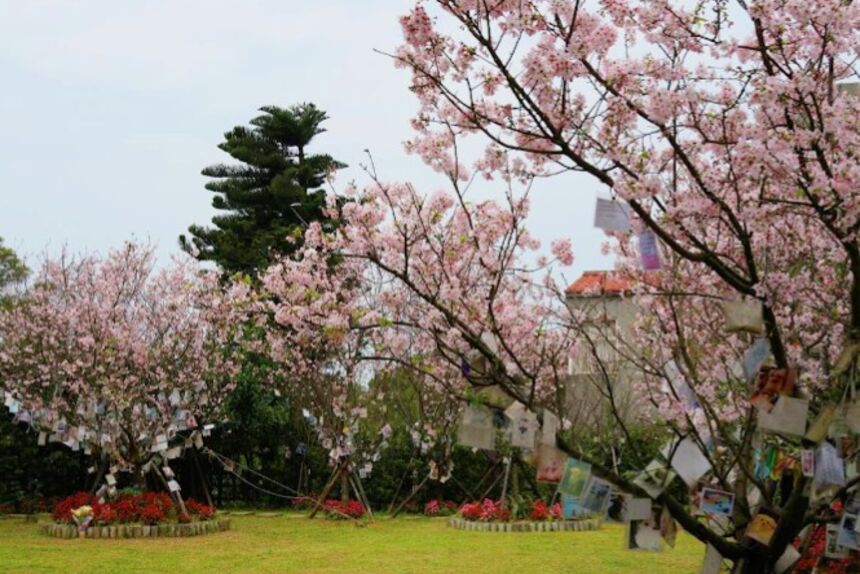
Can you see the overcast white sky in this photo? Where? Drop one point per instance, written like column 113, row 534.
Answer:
column 110, row 110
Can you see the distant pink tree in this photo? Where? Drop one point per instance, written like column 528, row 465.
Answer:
column 123, row 360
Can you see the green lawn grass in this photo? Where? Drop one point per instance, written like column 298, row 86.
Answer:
column 292, row 543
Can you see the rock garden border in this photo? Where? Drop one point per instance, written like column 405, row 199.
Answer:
column 137, row 530
column 579, row 525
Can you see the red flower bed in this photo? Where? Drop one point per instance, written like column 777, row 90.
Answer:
column 493, row 511
column 341, row 510
column 148, row 508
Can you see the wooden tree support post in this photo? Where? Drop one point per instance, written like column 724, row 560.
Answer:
column 504, row 500
column 411, row 495
column 203, row 483
column 328, row 487
column 359, row 494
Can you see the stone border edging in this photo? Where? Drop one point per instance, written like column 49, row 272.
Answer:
column 580, row 525
column 137, row 530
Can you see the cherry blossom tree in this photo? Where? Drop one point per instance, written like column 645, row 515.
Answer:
column 728, row 130
column 126, row 361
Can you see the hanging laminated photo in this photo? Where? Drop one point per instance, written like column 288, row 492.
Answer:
column 832, row 549
column 687, row 459
column 847, row 537
column 788, row 559
column 597, row 496
column 771, row 383
column 550, row 464
column 788, row 417
column 655, row 478
column 762, row 526
column 645, row 534
column 571, row 507
column 743, row 316
column 713, row 501
column 575, row 477
column 480, row 437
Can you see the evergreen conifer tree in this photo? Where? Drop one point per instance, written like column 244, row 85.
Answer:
column 269, row 195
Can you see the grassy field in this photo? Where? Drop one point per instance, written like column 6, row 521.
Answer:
column 291, row 543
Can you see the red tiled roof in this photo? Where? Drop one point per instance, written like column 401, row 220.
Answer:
column 601, row 283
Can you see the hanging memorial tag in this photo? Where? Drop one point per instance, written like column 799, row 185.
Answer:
column 649, row 251
column 788, row 417
column 550, row 464
column 655, row 478
column 575, row 477
column 611, row 215
column 688, row 460
column 755, row 357
column 743, row 316
column 820, row 426
column 829, row 468
column 772, row 383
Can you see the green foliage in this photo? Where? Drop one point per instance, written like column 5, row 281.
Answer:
column 12, row 272
column 269, row 195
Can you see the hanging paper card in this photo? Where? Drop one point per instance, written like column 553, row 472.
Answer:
column 807, row 462
column 655, row 478
column 832, row 549
column 173, row 486
column 597, row 495
column 168, row 472
column 550, row 464
column 829, row 468
column 649, row 252
column 611, row 215
column 755, row 357
column 677, row 386
column 477, row 415
column 110, row 479
column 480, row 437
column 770, row 385
column 688, row 460
column 715, row 501
column 636, row 509
column 788, row 417
column 762, row 526
column 847, row 537
column 43, row 438
column 743, row 316
column 198, row 440
column 668, row 527
column 712, row 562
column 524, row 425
column 174, row 452
column 787, row 560
column 549, row 429
column 575, row 478
column 852, row 416
column 818, row 429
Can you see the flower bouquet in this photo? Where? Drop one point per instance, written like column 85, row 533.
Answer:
column 82, row 516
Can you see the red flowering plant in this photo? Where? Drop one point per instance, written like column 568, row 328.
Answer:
column 439, row 507
column 485, row 511
column 337, row 510
column 200, row 510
